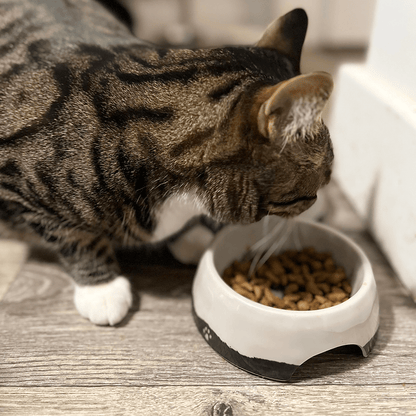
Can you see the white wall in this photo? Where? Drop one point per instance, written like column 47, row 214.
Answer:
column 393, row 45
column 333, row 23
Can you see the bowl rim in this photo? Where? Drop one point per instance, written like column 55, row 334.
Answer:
column 357, row 298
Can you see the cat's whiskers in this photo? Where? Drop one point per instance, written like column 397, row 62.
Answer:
column 280, row 240
column 285, row 142
column 297, row 237
column 261, row 251
column 124, row 223
column 161, row 184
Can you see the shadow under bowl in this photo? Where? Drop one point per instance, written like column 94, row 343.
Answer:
column 270, row 342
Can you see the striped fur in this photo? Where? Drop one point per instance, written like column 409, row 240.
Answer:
column 98, row 130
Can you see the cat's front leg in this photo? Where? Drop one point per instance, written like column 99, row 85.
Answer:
column 101, row 294
column 189, row 246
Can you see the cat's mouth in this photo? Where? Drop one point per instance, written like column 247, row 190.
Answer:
column 292, row 202
column 292, row 207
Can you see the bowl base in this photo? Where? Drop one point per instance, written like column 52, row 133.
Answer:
column 272, row 370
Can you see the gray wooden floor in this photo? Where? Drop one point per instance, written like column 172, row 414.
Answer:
column 53, row 362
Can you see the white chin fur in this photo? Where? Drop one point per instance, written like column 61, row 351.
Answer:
column 104, row 304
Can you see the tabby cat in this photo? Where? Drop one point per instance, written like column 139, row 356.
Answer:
column 108, row 141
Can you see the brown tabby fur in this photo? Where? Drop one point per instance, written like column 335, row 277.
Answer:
column 98, row 129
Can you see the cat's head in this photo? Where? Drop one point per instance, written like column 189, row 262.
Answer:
column 279, row 150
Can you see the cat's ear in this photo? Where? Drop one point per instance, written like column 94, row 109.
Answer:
column 286, row 35
column 294, row 108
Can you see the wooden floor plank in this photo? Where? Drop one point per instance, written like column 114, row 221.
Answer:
column 212, row 400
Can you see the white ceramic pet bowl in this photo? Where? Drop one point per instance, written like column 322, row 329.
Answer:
column 271, row 342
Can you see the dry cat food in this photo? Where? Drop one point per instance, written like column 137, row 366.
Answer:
column 309, row 280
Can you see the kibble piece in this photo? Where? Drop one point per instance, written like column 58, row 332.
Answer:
column 262, row 270
column 283, row 279
column 258, row 292
column 290, row 306
column 276, row 266
column 312, row 288
column 279, row 303
column 244, row 266
column 307, row 296
column 325, row 305
column 296, row 269
column 291, row 288
column 268, row 295
column 264, row 301
column 244, row 292
column 303, row 305
column 288, row 264
column 260, row 281
column 314, row 305
column 324, row 287
column 305, row 269
column 239, row 278
column 248, row 286
column 321, row 277
column 299, row 279
column 329, row 265
column 302, row 258
column 336, row 296
column 272, row 277
column 292, row 297
column 320, row 299
column 336, row 278
column 291, row 277
column 316, row 265
column 346, row 286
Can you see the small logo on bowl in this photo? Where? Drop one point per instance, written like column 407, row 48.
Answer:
column 207, row 333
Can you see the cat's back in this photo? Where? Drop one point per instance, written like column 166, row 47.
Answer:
column 43, row 43
column 41, row 32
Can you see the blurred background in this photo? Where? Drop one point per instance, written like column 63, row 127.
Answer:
column 368, row 47
column 332, row 23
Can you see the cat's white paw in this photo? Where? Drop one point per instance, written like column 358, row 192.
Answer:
column 106, row 303
column 189, row 247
